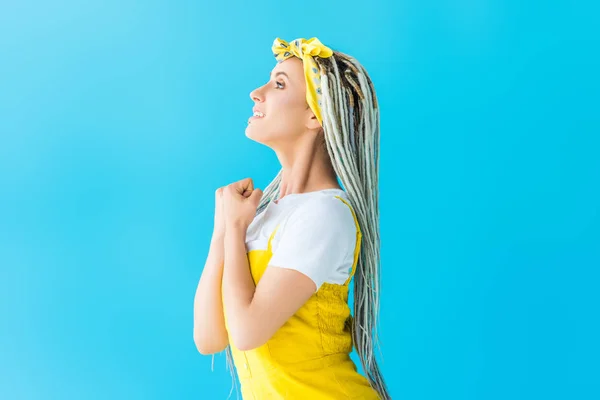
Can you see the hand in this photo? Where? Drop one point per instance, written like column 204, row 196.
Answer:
column 240, row 201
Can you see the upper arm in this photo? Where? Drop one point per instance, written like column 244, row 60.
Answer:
column 279, row 294
column 312, row 244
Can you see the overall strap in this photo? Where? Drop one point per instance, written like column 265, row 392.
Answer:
column 271, row 237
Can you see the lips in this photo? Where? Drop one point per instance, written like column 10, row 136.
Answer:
column 254, row 117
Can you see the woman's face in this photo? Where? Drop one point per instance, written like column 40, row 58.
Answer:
column 282, row 100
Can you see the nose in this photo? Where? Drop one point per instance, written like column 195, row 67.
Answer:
column 256, row 95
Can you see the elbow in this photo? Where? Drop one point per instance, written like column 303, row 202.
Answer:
column 246, row 341
column 245, row 345
column 206, row 346
column 207, row 349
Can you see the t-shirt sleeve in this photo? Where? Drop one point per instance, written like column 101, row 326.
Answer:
column 318, row 237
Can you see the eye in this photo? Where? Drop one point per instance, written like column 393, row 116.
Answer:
column 277, row 85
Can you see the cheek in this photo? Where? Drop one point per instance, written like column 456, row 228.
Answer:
column 287, row 110
column 286, row 120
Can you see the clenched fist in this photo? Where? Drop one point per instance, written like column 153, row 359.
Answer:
column 240, row 201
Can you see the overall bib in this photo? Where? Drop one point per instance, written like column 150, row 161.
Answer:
column 308, row 358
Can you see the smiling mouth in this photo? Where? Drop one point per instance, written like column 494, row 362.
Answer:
column 257, row 115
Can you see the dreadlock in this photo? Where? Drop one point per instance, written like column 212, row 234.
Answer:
column 351, row 135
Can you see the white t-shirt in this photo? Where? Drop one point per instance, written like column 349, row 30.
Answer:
column 316, row 235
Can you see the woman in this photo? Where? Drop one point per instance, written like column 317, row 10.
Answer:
column 288, row 327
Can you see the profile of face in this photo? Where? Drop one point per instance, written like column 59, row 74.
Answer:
column 282, row 102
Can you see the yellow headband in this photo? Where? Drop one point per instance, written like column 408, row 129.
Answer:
column 306, row 50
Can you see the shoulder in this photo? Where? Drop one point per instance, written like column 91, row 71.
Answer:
column 318, row 238
column 324, row 212
column 320, row 215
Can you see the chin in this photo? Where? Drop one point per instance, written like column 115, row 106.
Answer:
column 254, row 134
column 264, row 135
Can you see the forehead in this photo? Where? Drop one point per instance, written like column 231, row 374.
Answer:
column 293, row 67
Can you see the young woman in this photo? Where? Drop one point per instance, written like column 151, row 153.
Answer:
column 274, row 290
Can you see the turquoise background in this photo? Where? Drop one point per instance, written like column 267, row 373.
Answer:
column 119, row 119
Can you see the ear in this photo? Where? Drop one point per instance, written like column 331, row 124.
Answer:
column 313, row 122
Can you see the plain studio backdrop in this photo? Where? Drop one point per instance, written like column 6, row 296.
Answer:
column 119, row 119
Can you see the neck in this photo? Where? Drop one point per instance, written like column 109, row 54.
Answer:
column 306, row 167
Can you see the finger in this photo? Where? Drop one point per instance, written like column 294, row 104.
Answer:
column 245, row 184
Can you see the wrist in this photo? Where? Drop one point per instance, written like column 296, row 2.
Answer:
column 236, row 228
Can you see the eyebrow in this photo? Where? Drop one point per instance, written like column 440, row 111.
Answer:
column 280, row 73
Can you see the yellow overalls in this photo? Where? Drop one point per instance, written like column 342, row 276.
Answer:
column 308, row 358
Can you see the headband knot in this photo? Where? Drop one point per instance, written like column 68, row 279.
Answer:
column 306, row 50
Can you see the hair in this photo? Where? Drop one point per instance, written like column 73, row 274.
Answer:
column 351, row 134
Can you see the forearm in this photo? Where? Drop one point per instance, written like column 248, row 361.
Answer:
column 210, row 334
column 238, row 286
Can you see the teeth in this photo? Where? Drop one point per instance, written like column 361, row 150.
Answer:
column 259, row 114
